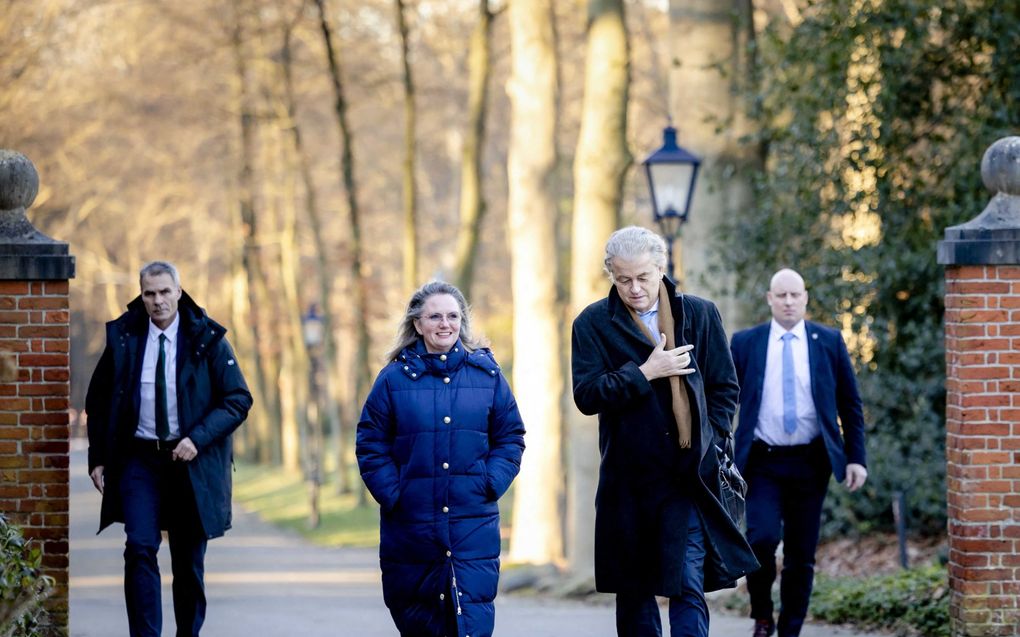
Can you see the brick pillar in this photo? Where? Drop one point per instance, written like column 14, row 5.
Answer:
column 982, row 259
column 34, row 378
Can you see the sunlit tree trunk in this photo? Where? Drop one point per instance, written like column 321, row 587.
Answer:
column 710, row 36
column 281, row 196
column 362, row 372
column 257, row 436
column 536, row 535
column 114, row 304
column 600, row 165
column 330, row 372
column 347, row 357
column 201, row 280
column 253, row 436
column 250, row 259
column 472, row 199
column 410, row 195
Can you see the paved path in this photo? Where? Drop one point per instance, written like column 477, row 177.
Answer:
column 263, row 582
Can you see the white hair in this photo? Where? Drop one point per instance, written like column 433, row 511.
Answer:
column 156, row 268
column 633, row 242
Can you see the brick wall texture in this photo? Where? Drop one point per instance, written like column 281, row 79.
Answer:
column 983, row 448
column 34, row 392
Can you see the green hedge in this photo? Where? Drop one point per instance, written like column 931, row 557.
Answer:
column 912, row 602
column 23, row 587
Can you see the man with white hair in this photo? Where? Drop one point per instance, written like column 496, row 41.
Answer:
column 655, row 366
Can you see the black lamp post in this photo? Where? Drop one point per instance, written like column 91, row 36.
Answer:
column 672, row 172
column 312, row 330
column 311, row 327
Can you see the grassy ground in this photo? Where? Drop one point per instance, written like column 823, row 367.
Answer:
column 282, row 498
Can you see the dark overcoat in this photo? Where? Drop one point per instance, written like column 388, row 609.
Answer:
column 640, row 538
column 439, row 441
column 833, row 388
column 212, row 401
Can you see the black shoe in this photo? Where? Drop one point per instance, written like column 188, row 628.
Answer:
column 764, row 628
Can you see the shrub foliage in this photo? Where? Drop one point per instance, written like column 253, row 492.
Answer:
column 22, row 585
column 914, row 602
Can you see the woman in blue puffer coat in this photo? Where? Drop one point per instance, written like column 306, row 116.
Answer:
column 439, row 441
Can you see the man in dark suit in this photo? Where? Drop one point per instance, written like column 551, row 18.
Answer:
column 162, row 404
column 654, row 365
column 800, row 421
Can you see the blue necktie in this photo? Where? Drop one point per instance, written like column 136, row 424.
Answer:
column 162, row 417
column 789, row 386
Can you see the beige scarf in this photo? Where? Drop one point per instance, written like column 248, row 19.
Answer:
column 681, row 402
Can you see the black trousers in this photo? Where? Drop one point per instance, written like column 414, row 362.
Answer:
column 638, row 615
column 157, row 494
column 786, row 489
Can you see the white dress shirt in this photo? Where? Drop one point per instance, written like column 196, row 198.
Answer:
column 147, row 410
column 650, row 318
column 770, row 416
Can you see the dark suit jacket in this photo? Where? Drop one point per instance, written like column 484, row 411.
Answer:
column 833, row 387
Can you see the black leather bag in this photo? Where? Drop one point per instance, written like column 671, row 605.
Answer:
column 732, row 487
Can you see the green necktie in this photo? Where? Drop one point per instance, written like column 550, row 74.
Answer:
column 162, row 420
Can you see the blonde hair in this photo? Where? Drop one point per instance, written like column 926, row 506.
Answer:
column 407, row 335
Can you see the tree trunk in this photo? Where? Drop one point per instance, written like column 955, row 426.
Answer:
column 256, row 436
column 410, row 196
column 600, row 165
column 277, row 224
column 294, row 366
column 250, row 256
column 472, row 199
column 710, row 36
column 329, row 371
column 362, row 372
column 536, row 535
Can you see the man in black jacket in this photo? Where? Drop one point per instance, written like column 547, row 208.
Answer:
column 655, row 366
column 162, row 404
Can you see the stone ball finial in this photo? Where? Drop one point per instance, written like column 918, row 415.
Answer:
column 19, row 181
column 992, row 237
column 1000, row 167
column 26, row 253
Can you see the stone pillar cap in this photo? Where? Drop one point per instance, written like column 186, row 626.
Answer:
column 993, row 237
column 19, row 184
column 26, row 253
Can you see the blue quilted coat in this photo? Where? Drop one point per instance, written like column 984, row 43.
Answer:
column 439, row 441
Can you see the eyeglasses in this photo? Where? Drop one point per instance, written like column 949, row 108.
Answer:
column 452, row 318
